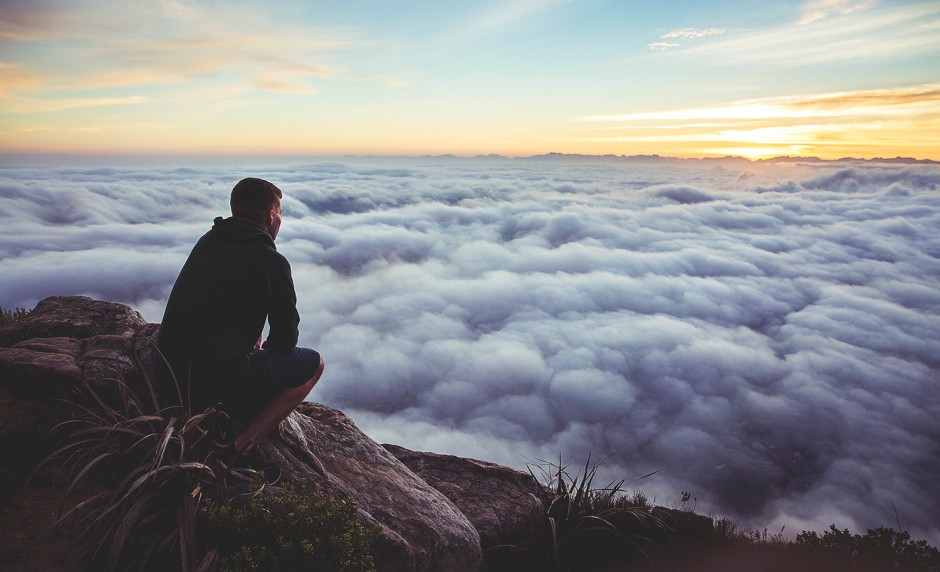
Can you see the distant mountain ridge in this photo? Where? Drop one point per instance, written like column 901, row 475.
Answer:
column 654, row 158
column 81, row 160
column 779, row 159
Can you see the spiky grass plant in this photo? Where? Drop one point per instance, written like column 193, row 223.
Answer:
column 156, row 465
column 583, row 527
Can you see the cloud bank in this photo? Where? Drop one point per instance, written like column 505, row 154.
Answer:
column 765, row 336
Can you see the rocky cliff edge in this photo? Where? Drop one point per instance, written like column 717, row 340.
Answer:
column 434, row 512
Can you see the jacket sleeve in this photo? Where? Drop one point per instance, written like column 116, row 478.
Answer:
column 282, row 307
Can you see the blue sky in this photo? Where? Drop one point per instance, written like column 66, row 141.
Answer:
column 819, row 77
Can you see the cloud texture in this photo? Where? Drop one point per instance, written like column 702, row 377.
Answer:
column 765, row 336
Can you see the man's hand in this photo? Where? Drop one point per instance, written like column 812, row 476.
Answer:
column 258, row 343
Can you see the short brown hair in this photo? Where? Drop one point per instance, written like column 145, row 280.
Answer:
column 254, row 198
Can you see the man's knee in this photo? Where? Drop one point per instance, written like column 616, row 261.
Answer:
column 316, row 376
column 308, row 385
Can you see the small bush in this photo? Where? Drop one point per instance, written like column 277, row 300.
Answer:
column 878, row 549
column 293, row 531
column 10, row 316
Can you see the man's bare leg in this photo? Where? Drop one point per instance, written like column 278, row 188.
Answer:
column 274, row 412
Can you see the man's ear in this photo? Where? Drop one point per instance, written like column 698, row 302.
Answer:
column 272, row 222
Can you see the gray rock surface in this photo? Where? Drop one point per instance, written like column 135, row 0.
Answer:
column 420, row 528
column 502, row 503
column 65, row 340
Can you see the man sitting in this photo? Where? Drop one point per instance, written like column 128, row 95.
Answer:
column 234, row 280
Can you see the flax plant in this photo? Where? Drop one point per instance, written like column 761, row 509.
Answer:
column 583, row 527
column 157, row 464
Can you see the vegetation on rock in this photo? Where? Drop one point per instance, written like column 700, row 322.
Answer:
column 157, row 464
column 585, row 528
column 297, row 530
column 10, row 316
column 878, row 549
column 152, row 492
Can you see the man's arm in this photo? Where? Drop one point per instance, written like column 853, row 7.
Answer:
column 282, row 307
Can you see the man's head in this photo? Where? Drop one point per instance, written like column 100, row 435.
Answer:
column 260, row 201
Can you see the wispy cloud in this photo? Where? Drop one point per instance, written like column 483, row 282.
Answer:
column 674, row 38
column 693, row 33
column 661, row 46
column 164, row 43
column 783, row 135
column 876, row 102
column 502, row 15
column 788, row 123
column 827, row 31
column 862, row 30
column 52, row 105
column 28, row 20
column 292, row 80
column 16, row 78
column 818, row 9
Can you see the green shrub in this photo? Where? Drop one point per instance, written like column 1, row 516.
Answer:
column 10, row 316
column 297, row 530
column 878, row 549
column 586, row 529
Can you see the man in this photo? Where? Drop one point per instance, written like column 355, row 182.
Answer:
column 234, row 280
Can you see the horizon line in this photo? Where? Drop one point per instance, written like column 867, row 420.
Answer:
column 549, row 155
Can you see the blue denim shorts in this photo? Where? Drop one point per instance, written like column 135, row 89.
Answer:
column 268, row 373
column 278, row 371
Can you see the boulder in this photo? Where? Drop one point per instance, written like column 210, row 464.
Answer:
column 420, row 529
column 502, row 503
column 66, row 341
column 76, row 317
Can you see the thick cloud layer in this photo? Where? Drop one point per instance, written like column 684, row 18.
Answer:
column 765, row 336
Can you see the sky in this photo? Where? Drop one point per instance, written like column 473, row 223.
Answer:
column 826, row 78
column 764, row 335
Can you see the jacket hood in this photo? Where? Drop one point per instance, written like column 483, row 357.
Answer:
column 235, row 229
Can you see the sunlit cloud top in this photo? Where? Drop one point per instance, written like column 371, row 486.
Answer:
column 830, row 78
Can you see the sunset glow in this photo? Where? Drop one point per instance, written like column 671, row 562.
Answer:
column 822, row 78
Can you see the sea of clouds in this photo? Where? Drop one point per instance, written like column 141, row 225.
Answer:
column 765, row 336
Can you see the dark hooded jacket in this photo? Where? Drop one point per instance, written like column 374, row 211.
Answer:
column 233, row 280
